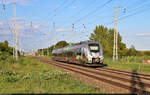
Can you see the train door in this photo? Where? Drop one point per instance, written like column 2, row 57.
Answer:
column 84, row 55
column 78, row 56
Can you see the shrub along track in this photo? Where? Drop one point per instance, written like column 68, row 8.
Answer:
column 132, row 81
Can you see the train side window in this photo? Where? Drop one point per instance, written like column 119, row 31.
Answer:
column 79, row 51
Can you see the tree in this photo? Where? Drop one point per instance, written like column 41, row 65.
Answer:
column 147, row 53
column 106, row 38
column 61, row 44
column 131, row 51
column 5, row 50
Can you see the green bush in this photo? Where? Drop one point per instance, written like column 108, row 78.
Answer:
column 4, row 56
column 11, row 79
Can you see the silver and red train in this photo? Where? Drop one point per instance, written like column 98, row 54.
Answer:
column 87, row 53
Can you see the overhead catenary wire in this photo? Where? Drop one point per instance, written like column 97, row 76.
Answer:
column 92, row 12
column 54, row 11
column 57, row 8
column 129, row 15
column 8, row 24
column 85, row 8
column 5, row 15
column 130, row 7
column 140, row 6
column 63, row 3
column 61, row 10
column 133, row 9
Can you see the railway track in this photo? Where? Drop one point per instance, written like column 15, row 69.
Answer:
column 135, row 83
column 126, row 73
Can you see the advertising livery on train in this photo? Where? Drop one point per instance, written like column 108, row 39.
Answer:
column 86, row 53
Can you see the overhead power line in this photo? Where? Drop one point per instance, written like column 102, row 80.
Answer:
column 92, row 12
column 6, row 18
column 54, row 10
column 63, row 3
column 9, row 28
column 65, row 7
column 129, row 15
column 85, row 8
column 140, row 6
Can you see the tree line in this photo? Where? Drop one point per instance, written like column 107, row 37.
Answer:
column 105, row 36
column 101, row 34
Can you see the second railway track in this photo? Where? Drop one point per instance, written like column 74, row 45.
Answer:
column 135, row 83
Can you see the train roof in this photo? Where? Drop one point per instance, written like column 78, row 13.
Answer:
column 85, row 42
column 74, row 46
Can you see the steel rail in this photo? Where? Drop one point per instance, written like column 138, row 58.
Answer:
column 107, row 75
column 82, row 70
column 148, row 75
column 131, row 88
column 124, row 73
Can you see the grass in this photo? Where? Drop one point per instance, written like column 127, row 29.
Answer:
column 47, row 57
column 129, row 63
column 31, row 76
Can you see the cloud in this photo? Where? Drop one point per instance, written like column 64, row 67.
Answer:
column 75, row 7
column 62, row 29
column 4, row 32
column 36, row 26
column 19, row 19
column 1, row 23
column 23, row 27
column 20, row 2
column 143, row 34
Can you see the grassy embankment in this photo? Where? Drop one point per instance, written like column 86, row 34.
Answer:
column 30, row 76
column 129, row 63
column 47, row 57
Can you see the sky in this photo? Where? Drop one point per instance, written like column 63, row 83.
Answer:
column 42, row 23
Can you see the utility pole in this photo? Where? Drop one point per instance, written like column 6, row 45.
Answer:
column 115, row 27
column 47, row 51
column 84, row 29
column 12, row 32
column 115, row 48
column 42, row 53
column 13, row 43
column 31, row 27
column 20, row 45
column 22, row 53
column 54, row 33
column 71, row 33
column 15, row 31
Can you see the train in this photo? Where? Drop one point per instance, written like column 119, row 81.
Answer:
column 87, row 53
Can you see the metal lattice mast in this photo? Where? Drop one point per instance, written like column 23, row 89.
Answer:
column 15, row 31
column 13, row 42
column 42, row 52
column 71, row 34
column 54, row 32
column 115, row 48
column 115, row 27
column 47, row 51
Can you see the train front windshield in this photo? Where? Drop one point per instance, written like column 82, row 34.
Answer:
column 94, row 47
